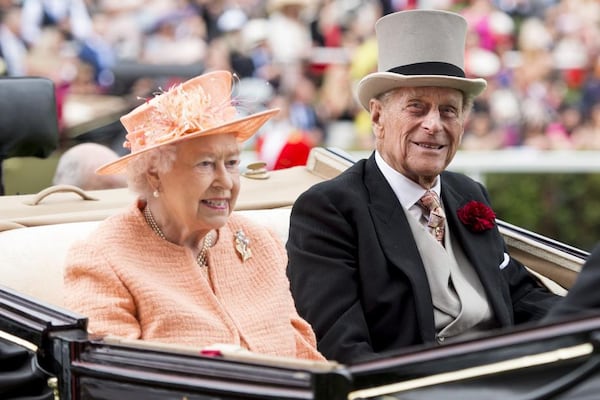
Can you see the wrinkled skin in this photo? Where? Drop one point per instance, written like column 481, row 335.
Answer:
column 418, row 130
column 199, row 192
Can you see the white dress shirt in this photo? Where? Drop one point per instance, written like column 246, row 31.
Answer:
column 408, row 192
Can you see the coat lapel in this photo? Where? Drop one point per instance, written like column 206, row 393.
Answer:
column 397, row 242
column 474, row 244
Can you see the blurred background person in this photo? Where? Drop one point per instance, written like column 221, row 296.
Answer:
column 289, row 38
column 282, row 144
column 13, row 50
column 177, row 37
column 77, row 166
column 71, row 17
column 587, row 135
column 480, row 131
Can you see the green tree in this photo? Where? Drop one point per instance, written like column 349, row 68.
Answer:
column 559, row 206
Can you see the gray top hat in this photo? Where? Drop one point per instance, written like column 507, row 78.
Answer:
column 419, row 48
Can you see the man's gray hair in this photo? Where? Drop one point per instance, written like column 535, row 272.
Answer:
column 78, row 164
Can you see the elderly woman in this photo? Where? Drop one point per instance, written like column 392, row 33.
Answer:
column 178, row 266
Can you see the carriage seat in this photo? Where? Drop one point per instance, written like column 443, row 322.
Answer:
column 37, row 230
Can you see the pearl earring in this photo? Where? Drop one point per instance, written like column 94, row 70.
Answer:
column 155, row 194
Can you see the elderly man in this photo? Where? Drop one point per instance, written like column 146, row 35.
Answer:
column 397, row 251
column 78, row 164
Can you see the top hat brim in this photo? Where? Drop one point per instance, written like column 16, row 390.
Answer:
column 378, row 83
column 242, row 128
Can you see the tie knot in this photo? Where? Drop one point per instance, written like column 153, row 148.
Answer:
column 430, row 200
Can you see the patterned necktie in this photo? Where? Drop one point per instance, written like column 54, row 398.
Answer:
column 431, row 203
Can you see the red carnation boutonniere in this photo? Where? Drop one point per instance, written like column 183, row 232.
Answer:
column 477, row 216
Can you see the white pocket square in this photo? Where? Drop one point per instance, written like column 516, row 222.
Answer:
column 505, row 261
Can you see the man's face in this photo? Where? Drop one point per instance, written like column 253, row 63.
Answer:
column 418, row 130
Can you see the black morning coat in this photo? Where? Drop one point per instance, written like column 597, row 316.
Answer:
column 357, row 277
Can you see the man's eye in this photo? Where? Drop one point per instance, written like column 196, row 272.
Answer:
column 449, row 112
column 415, row 107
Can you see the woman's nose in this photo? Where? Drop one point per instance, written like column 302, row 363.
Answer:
column 223, row 177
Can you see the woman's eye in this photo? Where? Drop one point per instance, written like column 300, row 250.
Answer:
column 233, row 164
column 205, row 164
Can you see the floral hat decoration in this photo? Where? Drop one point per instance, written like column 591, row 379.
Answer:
column 200, row 106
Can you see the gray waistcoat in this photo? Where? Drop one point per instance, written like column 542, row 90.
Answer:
column 460, row 304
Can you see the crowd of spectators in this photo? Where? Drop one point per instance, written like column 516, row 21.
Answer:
column 541, row 59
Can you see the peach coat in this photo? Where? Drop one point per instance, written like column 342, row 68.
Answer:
column 131, row 283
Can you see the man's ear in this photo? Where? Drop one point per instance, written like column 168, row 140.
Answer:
column 376, row 121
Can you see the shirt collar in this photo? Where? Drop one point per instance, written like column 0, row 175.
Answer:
column 408, row 192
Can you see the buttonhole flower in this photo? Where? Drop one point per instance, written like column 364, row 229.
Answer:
column 477, row 216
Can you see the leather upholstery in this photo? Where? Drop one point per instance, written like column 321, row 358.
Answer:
column 28, row 118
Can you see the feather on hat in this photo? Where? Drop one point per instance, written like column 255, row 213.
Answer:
column 201, row 106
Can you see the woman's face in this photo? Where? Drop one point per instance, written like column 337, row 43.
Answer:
column 200, row 190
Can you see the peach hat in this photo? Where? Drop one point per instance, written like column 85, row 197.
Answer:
column 198, row 107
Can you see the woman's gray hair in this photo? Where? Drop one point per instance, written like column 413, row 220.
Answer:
column 160, row 159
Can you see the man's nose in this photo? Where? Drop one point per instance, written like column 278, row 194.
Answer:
column 432, row 121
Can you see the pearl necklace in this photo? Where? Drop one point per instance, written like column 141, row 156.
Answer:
column 207, row 242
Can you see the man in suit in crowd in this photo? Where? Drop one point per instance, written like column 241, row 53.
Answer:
column 371, row 268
